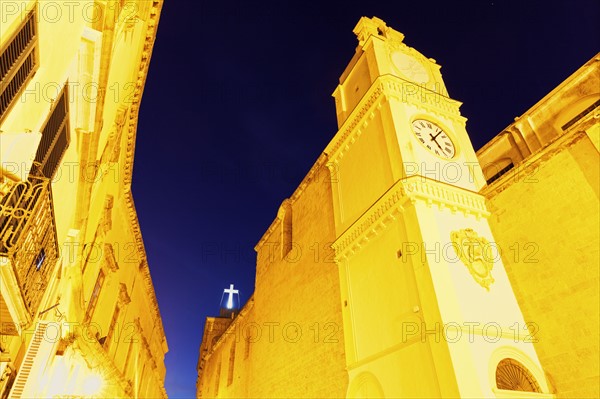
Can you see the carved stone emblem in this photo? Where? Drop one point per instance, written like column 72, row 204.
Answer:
column 475, row 252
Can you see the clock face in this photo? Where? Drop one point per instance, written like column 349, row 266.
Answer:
column 433, row 137
column 410, row 67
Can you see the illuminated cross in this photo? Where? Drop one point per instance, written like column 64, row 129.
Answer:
column 230, row 291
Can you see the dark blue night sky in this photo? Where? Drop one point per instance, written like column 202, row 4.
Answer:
column 238, row 106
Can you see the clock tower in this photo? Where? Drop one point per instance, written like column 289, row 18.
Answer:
column 427, row 306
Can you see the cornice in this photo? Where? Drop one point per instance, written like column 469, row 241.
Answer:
column 384, row 88
column 527, row 168
column 140, row 83
column 406, row 192
column 148, row 350
column 573, row 82
column 131, row 125
column 429, row 100
column 143, row 266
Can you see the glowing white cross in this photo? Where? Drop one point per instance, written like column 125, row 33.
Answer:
column 230, row 291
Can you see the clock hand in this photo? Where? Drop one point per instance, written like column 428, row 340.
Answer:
column 435, row 141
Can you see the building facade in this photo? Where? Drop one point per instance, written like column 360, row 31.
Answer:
column 408, row 265
column 79, row 316
column 549, row 158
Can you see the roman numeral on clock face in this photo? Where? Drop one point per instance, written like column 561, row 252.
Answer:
column 434, row 138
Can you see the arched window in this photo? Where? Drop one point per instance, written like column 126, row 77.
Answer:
column 365, row 385
column 513, row 376
column 285, row 215
column 231, row 364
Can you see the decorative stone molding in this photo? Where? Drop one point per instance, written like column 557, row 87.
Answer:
column 109, row 257
column 139, row 88
column 527, row 169
column 384, row 88
column 368, row 27
column 135, row 227
column 419, row 96
column 403, row 193
column 473, row 251
column 107, row 219
column 131, row 129
column 116, row 134
column 349, row 131
column 145, row 345
column 124, row 298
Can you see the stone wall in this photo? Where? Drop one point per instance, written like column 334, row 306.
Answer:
column 546, row 222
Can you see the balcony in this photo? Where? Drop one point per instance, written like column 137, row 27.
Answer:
column 28, row 249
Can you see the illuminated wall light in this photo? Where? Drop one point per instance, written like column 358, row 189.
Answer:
column 60, row 374
column 93, row 385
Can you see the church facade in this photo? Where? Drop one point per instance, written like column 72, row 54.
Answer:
column 408, row 265
column 78, row 311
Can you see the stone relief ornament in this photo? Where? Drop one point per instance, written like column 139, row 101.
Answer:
column 475, row 252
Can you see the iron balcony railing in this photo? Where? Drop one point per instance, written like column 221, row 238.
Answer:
column 28, row 237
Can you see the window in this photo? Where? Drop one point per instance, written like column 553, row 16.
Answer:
column 231, row 364
column 581, row 115
column 127, row 358
column 111, row 328
column 90, row 251
column 55, row 137
column 142, row 379
column 513, row 376
column 247, row 348
column 500, row 173
column 18, row 63
column 285, row 214
column 217, row 378
column 94, row 298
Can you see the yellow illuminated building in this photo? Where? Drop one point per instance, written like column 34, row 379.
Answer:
column 78, row 312
column 406, row 265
